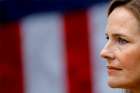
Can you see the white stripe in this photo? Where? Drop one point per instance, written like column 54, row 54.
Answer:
column 97, row 18
column 44, row 53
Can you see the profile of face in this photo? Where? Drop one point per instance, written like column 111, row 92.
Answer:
column 122, row 50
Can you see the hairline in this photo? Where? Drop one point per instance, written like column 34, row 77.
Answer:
column 127, row 6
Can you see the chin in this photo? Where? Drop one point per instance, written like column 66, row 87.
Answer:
column 113, row 85
column 123, row 82
column 117, row 83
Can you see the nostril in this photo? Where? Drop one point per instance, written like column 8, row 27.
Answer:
column 105, row 57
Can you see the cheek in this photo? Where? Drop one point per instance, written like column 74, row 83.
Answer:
column 131, row 66
column 130, row 59
column 130, row 62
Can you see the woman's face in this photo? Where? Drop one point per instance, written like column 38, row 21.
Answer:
column 122, row 50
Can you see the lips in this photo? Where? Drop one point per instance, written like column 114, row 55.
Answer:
column 113, row 68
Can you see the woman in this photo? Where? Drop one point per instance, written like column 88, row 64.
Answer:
column 122, row 50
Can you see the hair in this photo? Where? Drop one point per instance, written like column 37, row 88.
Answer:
column 131, row 5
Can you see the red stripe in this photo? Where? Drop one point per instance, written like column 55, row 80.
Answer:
column 78, row 56
column 10, row 59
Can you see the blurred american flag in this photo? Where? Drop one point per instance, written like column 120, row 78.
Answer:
column 52, row 46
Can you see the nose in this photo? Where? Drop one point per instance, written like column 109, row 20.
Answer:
column 107, row 53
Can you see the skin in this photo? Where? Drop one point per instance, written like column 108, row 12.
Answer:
column 122, row 50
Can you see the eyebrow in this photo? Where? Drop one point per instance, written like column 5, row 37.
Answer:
column 117, row 35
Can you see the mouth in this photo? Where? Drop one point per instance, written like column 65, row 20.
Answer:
column 113, row 70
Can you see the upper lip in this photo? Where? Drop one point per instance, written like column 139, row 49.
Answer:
column 113, row 67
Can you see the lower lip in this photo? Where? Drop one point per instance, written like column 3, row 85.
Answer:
column 112, row 71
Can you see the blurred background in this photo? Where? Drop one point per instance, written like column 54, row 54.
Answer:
column 52, row 46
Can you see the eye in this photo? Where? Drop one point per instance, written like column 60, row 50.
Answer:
column 107, row 37
column 121, row 40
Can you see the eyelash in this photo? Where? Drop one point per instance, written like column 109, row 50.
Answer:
column 107, row 37
column 119, row 40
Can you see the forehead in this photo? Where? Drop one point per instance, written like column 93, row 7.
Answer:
column 122, row 20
